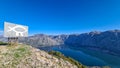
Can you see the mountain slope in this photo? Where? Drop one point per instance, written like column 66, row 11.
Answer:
column 23, row 56
column 39, row 40
column 108, row 41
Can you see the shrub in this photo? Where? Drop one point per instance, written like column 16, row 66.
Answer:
column 69, row 59
column 3, row 43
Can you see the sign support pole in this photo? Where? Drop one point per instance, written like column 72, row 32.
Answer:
column 13, row 41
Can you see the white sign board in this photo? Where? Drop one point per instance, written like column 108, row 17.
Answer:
column 15, row 30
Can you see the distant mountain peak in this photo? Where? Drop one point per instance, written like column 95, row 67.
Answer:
column 94, row 32
column 116, row 30
column 109, row 40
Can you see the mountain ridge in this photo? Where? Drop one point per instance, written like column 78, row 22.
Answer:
column 107, row 40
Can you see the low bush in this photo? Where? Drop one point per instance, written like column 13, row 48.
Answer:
column 3, row 43
column 69, row 59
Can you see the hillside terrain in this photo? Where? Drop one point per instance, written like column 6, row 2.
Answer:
column 23, row 56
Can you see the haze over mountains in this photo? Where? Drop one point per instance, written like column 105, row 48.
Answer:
column 108, row 41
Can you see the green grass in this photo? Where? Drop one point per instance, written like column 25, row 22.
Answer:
column 21, row 52
column 3, row 43
column 72, row 61
column 14, row 55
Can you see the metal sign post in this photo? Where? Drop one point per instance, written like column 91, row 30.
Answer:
column 14, row 31
column 13, row 40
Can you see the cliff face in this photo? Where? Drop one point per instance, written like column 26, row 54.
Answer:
column 23, row 56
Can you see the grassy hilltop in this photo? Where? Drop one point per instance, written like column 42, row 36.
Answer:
column 24, row 56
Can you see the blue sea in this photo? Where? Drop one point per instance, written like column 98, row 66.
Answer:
column 90, row 57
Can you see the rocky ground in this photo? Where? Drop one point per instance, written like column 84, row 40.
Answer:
column 23, row 56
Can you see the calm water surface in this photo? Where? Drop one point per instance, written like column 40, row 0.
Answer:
column 91, row 58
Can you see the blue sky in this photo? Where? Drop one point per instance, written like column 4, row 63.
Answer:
column 61, row 16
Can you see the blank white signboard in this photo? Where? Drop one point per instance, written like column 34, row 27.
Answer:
column 15, row 30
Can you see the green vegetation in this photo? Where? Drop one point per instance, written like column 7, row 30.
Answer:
column 21, row 52
column 2, row 43
column 105, row 67
column 72, row 61
column 13, row 55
